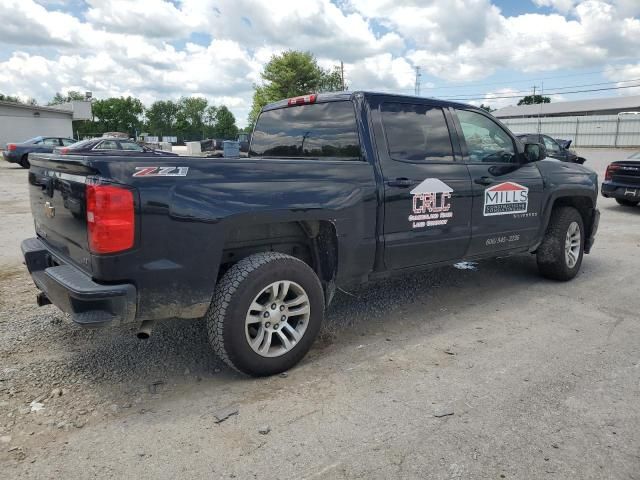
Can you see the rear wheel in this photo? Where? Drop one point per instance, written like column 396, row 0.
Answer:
column 265, row 314
column 24, row 161
column 627, row 203
column 560, row 253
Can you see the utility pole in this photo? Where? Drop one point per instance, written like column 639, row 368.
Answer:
column 418, row 75
column 342, row 74
column 534, row 93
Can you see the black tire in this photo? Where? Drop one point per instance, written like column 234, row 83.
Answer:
column 234, row 293
column 552, row 262
column 24, row 161
column 627, row 203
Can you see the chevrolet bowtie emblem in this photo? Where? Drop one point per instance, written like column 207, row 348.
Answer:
column 49, row 210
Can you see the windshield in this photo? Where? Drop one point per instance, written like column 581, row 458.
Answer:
column 321, row 130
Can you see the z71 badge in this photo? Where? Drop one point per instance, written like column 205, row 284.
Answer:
column 161, row 172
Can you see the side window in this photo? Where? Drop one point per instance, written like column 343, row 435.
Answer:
column 319, row 131
column 550, row 144
column 67, row 141
column 131, row 147
column 53, row 142
column 107, row 145
column 416, row 132
column 486, row 140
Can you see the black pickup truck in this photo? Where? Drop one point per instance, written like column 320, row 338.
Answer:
column 337, row 189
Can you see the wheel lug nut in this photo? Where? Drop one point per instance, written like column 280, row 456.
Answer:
column 276, row 326
column 282, row 308
column 273, row 306
column 266, row 314
column 283, row 318
column 268, row 324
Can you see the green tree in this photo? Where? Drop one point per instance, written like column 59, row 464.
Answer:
column 161, row 117
column 291, row 74
column 331, row 81
column 533, row 99
column 225, row 126
column 69, row 97
column 118, row 114
column 14, row 99
column 487, row 108
column 190, row 118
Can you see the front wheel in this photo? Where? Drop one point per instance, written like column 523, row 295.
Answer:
column 560, row 253
column 627, row 203
column 265, row 314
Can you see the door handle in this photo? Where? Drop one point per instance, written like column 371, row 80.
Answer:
column 400, row 182
column 483, row 181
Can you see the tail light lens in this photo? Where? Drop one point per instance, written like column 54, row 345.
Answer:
column 110, row 218
column 11, row 147
column 611, row 169
column 63, row 150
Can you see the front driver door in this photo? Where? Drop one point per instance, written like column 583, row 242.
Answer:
column 507, row 192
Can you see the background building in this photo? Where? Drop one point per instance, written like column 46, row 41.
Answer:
column 598, row 122
column 20, row 122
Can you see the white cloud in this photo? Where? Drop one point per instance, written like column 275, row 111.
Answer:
column 157, row 49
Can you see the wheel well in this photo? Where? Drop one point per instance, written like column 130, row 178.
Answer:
column 584, row 205
column 314, row 242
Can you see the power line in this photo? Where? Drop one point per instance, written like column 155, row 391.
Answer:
column 519, row 96
column 552, row 90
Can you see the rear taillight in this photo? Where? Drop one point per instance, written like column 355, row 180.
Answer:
column 304, row 100
column 63, row 150
column 608, row 175
column 110, row 218
column 11, row 147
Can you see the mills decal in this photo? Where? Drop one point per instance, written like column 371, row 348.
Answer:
column 506, row 198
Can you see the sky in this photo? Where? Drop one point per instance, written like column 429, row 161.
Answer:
column 474, row 51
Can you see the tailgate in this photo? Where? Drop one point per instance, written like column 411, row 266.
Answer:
column 628, row 173
column 57, row 195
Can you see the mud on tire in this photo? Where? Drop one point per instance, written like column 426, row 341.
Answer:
column 552, row 261
column 234, row 295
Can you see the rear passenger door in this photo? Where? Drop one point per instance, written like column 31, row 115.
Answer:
column 507, row 191
column 427, row 201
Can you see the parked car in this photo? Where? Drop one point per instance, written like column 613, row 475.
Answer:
column 111, row 146
column 622, row 181
column 339, row 188
column 19, row 152
column 556, row 148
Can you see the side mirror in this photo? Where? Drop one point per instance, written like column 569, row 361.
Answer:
column 534, row 152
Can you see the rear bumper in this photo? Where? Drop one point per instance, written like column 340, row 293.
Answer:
column 10, row 157
column 595, row 223
column 615, row 190
column 90, row 304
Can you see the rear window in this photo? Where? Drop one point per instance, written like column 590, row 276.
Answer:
column 416, row 132
column 317, row 131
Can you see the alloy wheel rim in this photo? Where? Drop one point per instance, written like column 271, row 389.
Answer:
column 572, row 245
column 277, row 318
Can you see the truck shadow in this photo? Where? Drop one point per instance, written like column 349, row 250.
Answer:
column 179, row 350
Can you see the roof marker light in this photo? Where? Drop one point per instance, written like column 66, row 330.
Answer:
column 304, row 100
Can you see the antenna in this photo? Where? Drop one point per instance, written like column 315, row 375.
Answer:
column 418, row 75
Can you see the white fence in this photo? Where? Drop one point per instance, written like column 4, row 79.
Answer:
column 585, row 131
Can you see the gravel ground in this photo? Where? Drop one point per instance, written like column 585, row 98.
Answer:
column 491, row 372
